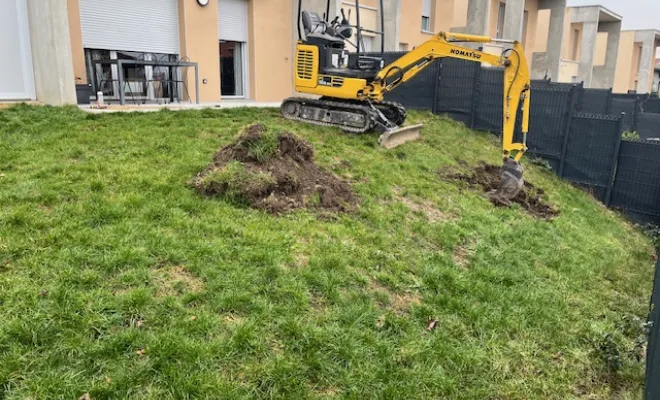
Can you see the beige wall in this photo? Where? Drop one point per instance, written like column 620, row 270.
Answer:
column 77, row 51
column 601, row 48
column 624, row 63
column 542, row 31
column 198, row 35
column 567, row 70
column 270, row 41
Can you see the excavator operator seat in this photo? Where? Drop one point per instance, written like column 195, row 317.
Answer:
column 317, row 29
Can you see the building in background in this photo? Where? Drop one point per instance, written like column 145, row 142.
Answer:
column 56, row 44
column 590, row 45
column 636, row 63
column 36, row 52
column 656, row 77
column 503, row 19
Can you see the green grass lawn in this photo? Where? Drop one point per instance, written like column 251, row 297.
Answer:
column 119, row 280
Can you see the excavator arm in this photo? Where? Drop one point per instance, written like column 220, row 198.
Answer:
column 516, row 77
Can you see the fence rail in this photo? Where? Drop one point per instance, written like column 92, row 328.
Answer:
column 577, row 130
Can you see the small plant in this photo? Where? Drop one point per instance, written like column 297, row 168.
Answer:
column 630, row 135
column 234, row 182
column 541, row 162
column 653, row 231
column 623, row 345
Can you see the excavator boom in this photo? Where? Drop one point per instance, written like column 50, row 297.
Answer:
column 516, row 77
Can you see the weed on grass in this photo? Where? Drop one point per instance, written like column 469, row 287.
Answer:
column 119, row 281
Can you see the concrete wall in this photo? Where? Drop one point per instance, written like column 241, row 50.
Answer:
column 624, row 63
column 636, row 61
column 545, row 39
column 77, row 51
column 567, row 70
column 607, row 45
column 198, row 37
column 271, row 65
column 51, row 52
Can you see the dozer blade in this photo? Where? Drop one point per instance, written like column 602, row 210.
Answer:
column 398, row 136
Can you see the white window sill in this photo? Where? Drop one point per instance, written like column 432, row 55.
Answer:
column 428, row 32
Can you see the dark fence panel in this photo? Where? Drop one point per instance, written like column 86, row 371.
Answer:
column 648, row 125
column 490, row 100
column 652, row 386
column 591, row 151
column 550, row 109
column 637, row 184
column 595, row 101
column 624, row 104
column 456, row 87
column 652, row 105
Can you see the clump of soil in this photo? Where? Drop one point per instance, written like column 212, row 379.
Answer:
column 274, row 172
column 487, row 177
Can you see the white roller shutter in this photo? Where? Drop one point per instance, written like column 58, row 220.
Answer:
column 233, row 20
column 426, row 8
column 150, row 26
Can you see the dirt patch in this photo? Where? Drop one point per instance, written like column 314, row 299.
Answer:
column 461, row 255
column 425, row 207
column 174, row 281
column 399, row 302
column 487, row 177
column 274, row 172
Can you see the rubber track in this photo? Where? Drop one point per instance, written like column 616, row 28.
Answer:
column 393, row 104
column 335, row 105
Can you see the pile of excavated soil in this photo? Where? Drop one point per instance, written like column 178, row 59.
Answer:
column 487, row 177
column 275, row 173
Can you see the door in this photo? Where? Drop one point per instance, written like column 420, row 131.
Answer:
column 16, row 70
column 233, row 37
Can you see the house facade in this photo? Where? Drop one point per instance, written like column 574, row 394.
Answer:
column 637, row 61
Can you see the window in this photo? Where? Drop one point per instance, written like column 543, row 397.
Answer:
column 140, row 81
column 500, row 21
column 427, row 12
column 524, row 33
column 231, row 68
column 576, row 44
column 368, row 43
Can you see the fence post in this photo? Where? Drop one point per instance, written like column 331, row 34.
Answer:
column 652, row 386
column 476, row 82
column 608, row 106
column 567, row 129
column 634, row 115
column 615, row 161
column 437, row 87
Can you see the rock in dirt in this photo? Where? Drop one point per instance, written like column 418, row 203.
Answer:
column 274, row 172
column 487, row 177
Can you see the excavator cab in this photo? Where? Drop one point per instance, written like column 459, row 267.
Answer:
column 330, row 51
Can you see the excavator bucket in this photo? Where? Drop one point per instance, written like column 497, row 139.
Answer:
column 511, row 181
column 397, row 136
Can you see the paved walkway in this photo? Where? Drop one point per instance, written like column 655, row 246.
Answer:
column 184, row 106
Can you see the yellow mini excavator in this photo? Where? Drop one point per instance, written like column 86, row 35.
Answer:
column 352, row 85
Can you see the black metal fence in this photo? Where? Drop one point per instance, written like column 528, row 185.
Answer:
column 577, row 130
column 652, row 386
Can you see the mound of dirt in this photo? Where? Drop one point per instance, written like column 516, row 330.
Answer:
column 487, row 177
column 274, row 172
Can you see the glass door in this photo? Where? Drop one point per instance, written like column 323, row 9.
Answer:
column 232, row 69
